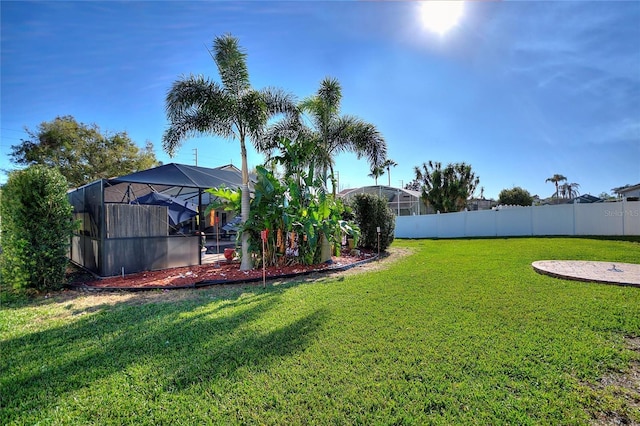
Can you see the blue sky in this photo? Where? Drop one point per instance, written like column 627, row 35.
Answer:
column 519, row 90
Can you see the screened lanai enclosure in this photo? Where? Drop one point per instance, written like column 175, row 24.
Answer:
column 403, row 202
column 149, row 220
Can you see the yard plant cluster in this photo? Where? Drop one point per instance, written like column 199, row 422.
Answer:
column 299, row 215
column 452, row 332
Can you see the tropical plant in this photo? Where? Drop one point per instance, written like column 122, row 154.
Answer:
column 332, row 133
column 569, row 190
column 388, row 163
column 556, row 179
column 371, row 213
column 376, row 172
column 197, row 105
column 290, row 145
column 414, row 185
column 297, row 210
column 81, row 152
column 36, row 228
column 446, row 190
column 515, row 196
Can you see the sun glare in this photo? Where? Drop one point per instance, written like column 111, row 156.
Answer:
column 439, row 16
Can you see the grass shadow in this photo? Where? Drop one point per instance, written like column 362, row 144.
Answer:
column 189, row 341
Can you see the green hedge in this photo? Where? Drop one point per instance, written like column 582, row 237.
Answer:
column 36, row 227
column 371, row 212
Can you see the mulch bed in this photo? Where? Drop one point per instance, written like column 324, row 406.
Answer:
column 209, row 274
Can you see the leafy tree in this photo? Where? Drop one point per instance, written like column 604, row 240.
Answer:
column 36, row 228
column 515, row 196
column 556, row 179
column 81, row 152
column 372, row 211
column 448, row 189
column 606, row 196
column 197, row 105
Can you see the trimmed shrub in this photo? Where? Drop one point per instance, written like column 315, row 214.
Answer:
column 372, row 211
column 515, row 196
column 36, row 228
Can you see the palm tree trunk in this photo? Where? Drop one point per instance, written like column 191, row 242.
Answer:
column 333, row 182
column 246, row 263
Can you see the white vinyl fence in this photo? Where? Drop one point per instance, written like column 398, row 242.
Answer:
column 614, row 218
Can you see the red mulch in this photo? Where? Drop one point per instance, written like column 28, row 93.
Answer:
column 225, row 272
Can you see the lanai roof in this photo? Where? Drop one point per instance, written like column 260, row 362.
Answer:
column 174, row 174
column 176, row 180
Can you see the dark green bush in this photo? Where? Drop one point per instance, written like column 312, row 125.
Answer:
column 371, row 212
column 515, row 196
column 36, row 227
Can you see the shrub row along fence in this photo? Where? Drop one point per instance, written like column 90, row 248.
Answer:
column 614, row 218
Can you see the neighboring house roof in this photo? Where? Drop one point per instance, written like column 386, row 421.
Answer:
column 586, row 198
column 627, row 189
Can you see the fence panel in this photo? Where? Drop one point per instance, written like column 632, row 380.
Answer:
column 631, row 215
column 619, row 218
column 416, row 226
column 553, row 220
column 451, row 225
column 594, row 219
column 515, row 221
column 481, row 223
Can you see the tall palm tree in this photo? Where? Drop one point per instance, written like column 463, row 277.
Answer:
column 196, row 105
column 335, row 133
column 388, row 163
column 556, row 179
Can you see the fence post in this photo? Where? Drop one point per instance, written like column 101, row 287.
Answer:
column 624, row 210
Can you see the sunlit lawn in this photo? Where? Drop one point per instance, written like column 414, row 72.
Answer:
column 457, row 332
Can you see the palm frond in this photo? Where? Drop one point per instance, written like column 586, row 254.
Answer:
column 252, row 115
column 196, row 105
column 289, row 127
column 194, row 123
column 232, row 65
column 362, row 138
column 330, row 94
column 280, row 102
column 193, row 92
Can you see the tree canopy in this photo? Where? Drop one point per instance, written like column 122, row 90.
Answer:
column 446, row 189
column 81, row 152
column 515, row 196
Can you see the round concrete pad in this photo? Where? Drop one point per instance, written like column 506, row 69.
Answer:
column 602, row 272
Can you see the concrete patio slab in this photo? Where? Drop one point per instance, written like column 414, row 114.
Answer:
column 591, row 271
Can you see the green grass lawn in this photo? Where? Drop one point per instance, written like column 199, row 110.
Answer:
column 456, row 332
